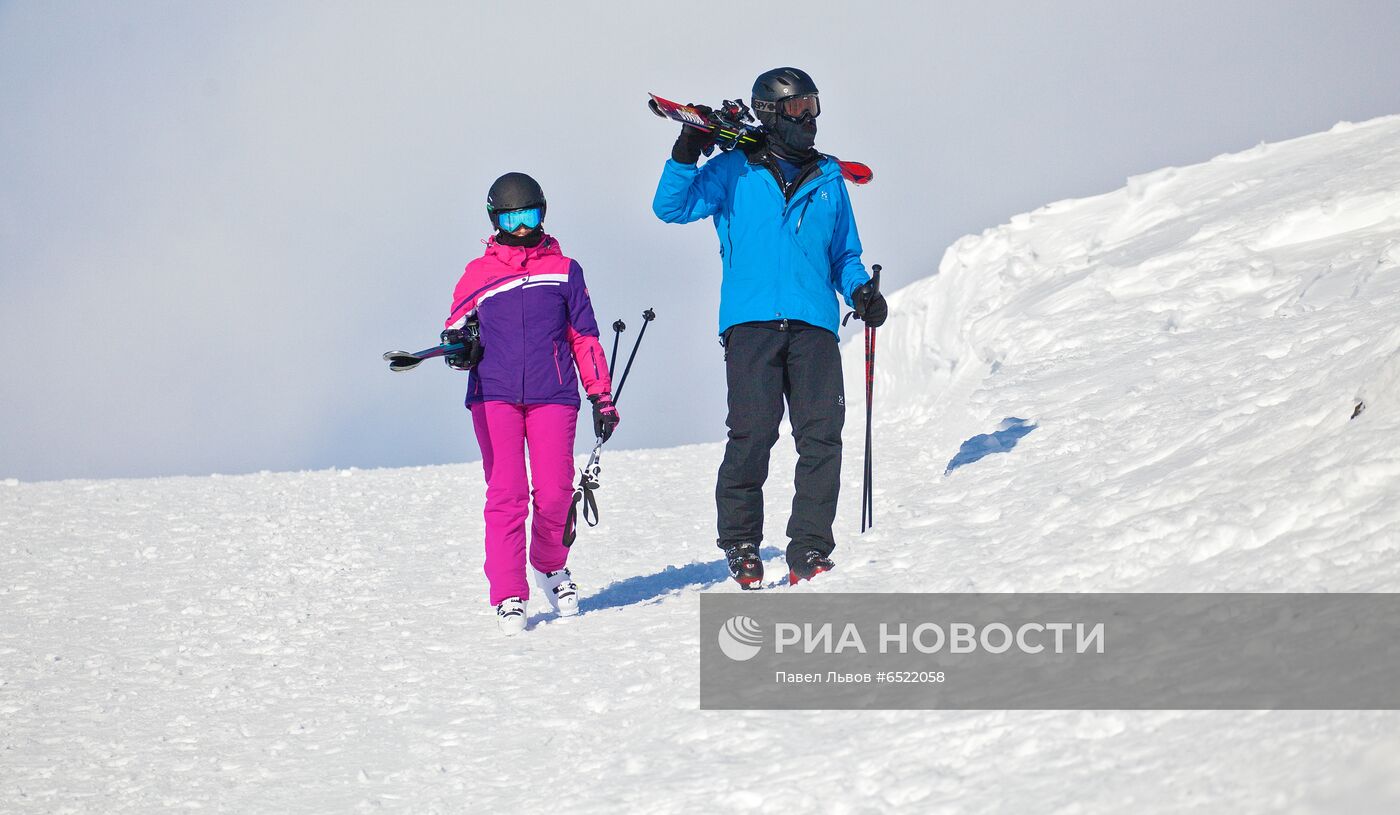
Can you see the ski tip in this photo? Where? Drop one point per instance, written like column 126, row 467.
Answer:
column 401, row 360
column 657, row 105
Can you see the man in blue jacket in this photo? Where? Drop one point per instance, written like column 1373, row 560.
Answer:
column 789, row 244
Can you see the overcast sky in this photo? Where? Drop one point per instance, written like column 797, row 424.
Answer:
column 214, row 217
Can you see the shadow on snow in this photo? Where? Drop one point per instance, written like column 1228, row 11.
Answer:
column 1002, row 440
column 647, row 587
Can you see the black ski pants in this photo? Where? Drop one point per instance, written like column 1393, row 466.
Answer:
column 766, row 363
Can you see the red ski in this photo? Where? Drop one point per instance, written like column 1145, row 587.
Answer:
column 733, row 125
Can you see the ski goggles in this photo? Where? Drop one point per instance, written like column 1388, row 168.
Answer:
column 797, row 107
column 516, row 218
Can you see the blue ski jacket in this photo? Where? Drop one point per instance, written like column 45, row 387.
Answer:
column 783, row 258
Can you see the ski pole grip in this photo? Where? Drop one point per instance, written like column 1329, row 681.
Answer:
column 875, row 276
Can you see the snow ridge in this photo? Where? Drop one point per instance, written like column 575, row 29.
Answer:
column 1191, row 348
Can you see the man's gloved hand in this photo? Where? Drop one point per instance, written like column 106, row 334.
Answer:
column 870, row 305
column 467, row 358
column 757, row 145
column 693, row 141
column 605, row 418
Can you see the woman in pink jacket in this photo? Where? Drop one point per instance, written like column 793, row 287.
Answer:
column 536, row 327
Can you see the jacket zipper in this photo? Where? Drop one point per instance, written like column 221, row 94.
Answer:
column 523, row 335
column 767, row 161
column 811, row 171
column 557, row 370
column 789, row 190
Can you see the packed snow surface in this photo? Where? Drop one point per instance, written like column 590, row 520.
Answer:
column 1150, row 390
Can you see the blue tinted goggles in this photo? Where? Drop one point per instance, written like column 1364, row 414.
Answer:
column 516, row 218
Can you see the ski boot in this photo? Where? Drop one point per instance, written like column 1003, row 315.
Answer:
column 510, row 616
column 560, row 590
column 808, row 564
column 745, row 566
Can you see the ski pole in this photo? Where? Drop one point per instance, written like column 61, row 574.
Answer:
column 647, row 317
column 618, row 327
column 588, row 476
column 867, row 499
column 867, row 496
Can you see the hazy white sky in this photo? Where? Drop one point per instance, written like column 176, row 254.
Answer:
column 215, row 216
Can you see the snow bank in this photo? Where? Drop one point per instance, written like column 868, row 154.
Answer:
column 1191, row 349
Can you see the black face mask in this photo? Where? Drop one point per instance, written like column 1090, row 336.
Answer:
column 531, row 238
column 793, row 140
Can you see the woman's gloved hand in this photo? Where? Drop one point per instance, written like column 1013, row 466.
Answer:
column 605, row 418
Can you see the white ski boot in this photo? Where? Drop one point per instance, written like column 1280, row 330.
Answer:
column 510, row 616
column 560, row 590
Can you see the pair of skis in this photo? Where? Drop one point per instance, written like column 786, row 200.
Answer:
column 734, row 126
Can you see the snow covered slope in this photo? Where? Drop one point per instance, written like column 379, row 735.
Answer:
column 1151, row 390
column 1191, row 350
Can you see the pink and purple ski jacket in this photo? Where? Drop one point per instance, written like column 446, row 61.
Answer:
column 537, row 323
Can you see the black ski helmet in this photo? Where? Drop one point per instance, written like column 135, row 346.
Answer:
column 774, row 86
column 514, row 191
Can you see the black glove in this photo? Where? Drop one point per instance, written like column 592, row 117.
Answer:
column 757, row 145
column 693, row 141
column 467, row 358
column 870, row 305
column 605, row 418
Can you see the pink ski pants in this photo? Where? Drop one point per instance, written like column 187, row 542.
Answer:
column 505, row 431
